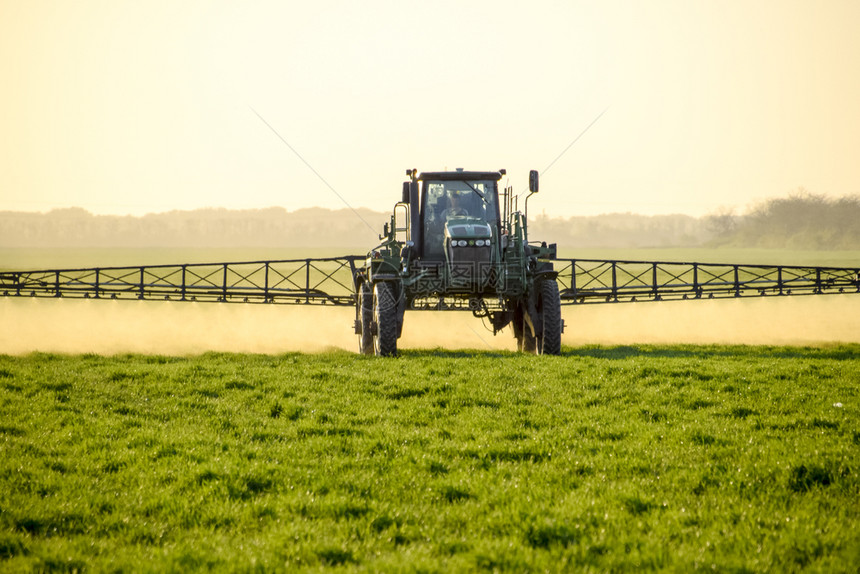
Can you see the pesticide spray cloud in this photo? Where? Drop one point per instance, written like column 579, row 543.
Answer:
column 807, row 320
column 111, row 327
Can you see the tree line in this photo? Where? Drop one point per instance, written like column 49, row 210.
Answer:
column 272, row 227
column 799, row 221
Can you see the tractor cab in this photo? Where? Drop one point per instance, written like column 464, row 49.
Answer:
column 458, row 215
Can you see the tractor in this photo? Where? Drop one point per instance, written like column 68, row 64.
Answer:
column 456, row 242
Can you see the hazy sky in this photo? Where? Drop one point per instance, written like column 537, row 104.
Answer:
column 135, row 107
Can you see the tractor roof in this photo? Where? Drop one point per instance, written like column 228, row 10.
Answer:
column 460, row 175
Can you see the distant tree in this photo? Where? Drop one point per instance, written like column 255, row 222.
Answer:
column 802, row 220
column 722, row 223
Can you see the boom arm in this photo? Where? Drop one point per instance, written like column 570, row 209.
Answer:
column 330, row 281
column 323, row 281
column 605, row 281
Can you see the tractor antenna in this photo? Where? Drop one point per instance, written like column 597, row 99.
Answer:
column 570, row 145
column 310, row 167
column 576, row 139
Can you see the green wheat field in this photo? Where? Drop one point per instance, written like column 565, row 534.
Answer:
column 670, row 458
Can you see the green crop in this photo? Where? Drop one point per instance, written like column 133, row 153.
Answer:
column 738, row 459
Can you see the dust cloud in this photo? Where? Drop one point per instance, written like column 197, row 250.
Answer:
column 111, row 327
column 798, row 320
column 153, row 327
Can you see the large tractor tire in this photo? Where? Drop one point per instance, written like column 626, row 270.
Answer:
column 365, row 318
column 549, row 341
column 385, row 315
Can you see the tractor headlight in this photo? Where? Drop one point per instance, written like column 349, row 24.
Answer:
column 462, row 243
column 479, row 243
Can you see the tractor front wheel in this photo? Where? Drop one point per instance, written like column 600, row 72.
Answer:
column 549, row 340
column 385, row 316
column 526, row 342
column 365, row 318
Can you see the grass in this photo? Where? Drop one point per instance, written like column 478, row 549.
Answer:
column 739, row 459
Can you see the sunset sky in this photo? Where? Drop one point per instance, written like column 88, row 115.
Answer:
column 136, row 107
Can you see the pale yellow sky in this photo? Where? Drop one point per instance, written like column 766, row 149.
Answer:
column 135, row 107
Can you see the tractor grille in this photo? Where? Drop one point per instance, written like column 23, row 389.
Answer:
column 470, row 266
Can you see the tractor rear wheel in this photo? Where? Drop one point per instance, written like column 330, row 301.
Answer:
column 522, row 331
column 365, row 318
column 549, row 341
column 528, row 342
column 520, row 327
column 385, row 315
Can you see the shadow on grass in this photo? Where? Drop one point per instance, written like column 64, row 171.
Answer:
column 455, row 353
column 842, row 352
column 834, row 352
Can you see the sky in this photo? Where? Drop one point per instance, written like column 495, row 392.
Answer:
column 124, row 107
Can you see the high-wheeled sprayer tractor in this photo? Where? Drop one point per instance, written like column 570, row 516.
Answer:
column 457, row 243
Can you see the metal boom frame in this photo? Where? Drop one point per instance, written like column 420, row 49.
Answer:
column 583, row 281
column 329, row 281
column 321, row 281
